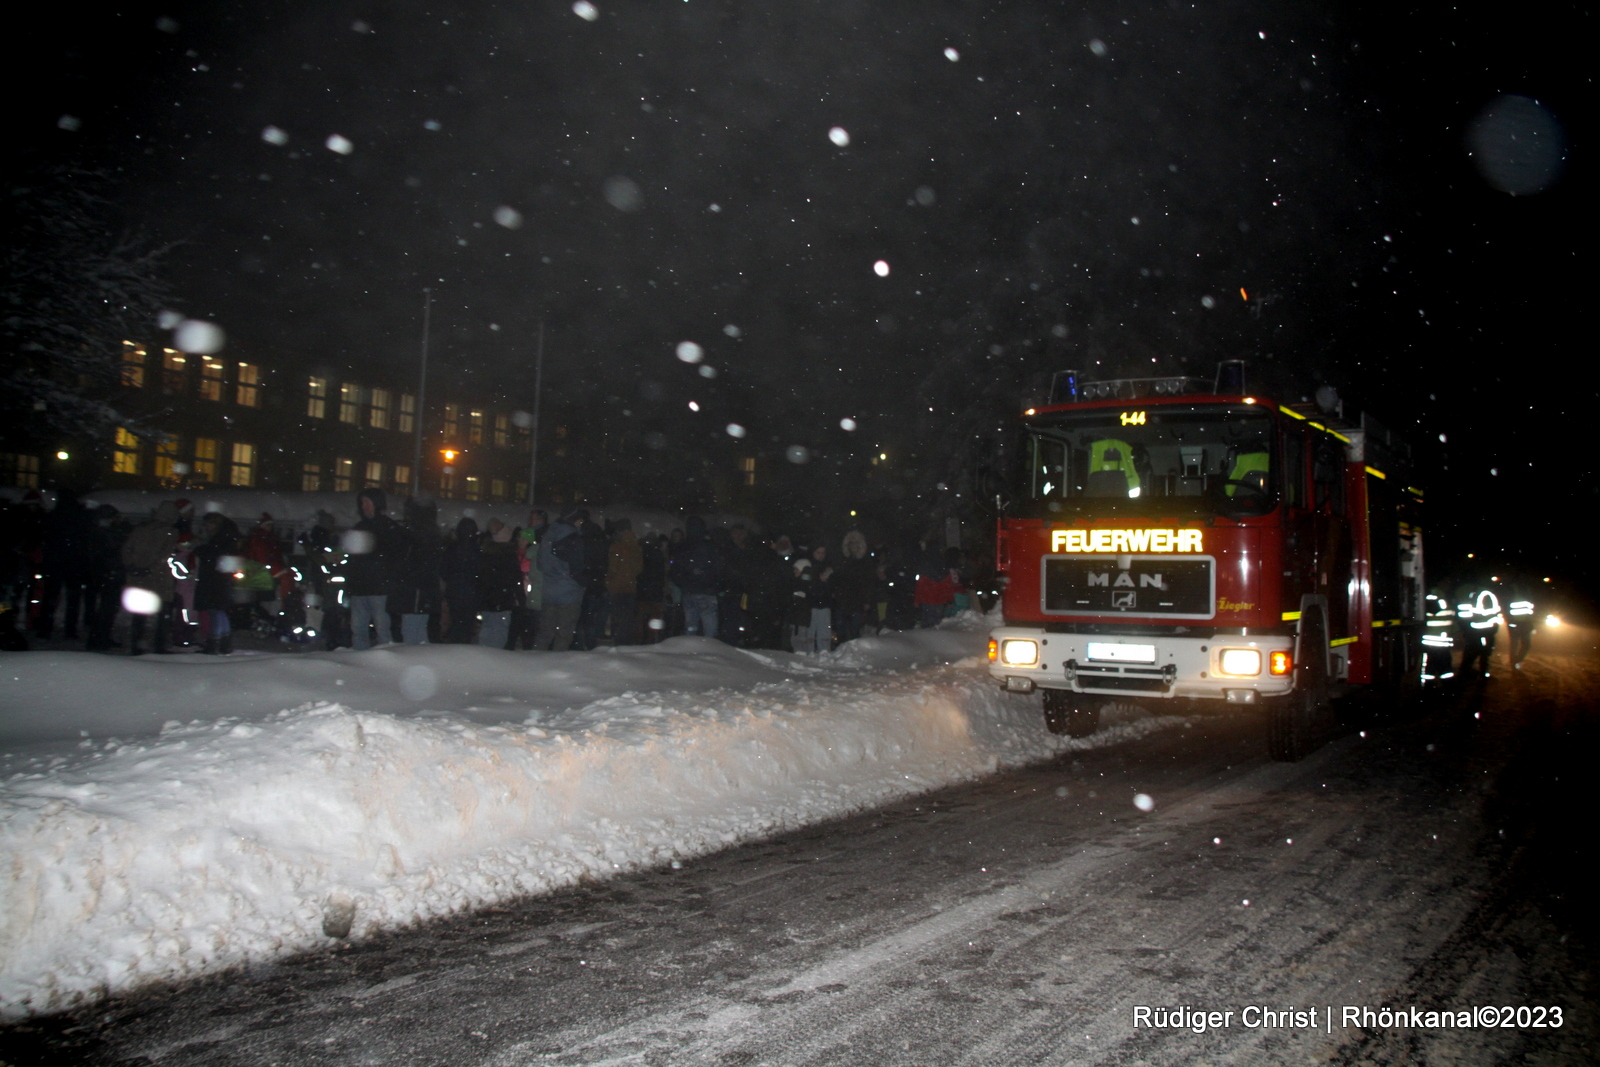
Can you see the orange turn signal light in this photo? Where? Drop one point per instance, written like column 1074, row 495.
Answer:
column 1280, row 663
column 994, row 650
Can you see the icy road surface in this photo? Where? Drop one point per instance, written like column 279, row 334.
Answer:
column 1016, row 919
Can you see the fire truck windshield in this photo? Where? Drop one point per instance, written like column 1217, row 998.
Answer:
column 1203, row 458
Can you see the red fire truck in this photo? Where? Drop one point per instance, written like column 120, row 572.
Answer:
column 1178, row 539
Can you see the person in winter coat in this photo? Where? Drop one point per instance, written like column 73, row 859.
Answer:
column 855, row 588
column 217, row 560
column 461, row 569
column 820, row 600
column 525, row 623
column 146, row 562
column 265, row 569
column 596, row 558
column 103, row 591
column 697, row 570
column 652, row 589
column 416, row 599
column 622, row 582
column 65, row 564
column 560, row 561
column 501, row 582
column 937, row 586
column 767, row 581
column 373, row 544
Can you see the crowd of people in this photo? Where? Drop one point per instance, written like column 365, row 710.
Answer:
column 188, row 582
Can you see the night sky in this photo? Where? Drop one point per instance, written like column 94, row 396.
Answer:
column 1050, row 185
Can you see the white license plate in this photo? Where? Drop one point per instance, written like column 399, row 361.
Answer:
column 1120, row 653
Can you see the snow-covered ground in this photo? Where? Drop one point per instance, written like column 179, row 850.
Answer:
column 164, row 817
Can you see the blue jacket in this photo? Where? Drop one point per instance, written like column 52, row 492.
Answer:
column 560, row 586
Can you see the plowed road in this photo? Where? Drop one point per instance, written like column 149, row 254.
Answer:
column 1432, row 862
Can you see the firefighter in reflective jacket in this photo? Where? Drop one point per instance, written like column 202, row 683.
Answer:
column 1521, row 621
column 1437, row 640
column 1478, row 624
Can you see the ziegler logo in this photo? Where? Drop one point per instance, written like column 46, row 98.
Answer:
column 1125, row 542
column 1224, row 604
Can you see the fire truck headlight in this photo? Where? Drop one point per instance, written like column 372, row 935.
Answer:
column 1280, row 663
column 1019, row 653
column 1552, row 621
column 1239, row 662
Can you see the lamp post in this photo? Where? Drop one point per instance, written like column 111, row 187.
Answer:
column 538, row 395
column 422, row 394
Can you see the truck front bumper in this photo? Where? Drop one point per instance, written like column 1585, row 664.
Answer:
column 1168, row 667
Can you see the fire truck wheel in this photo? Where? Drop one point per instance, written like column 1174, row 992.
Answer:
column 1297, row 723
column 1064, row 714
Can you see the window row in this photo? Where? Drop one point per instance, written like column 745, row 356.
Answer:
column 358, row 405
column 345, row 475
column 219, row 380
column 205, row 460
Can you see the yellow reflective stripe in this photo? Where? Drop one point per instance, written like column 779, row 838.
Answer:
column 1396, row 622
column 1291, row 616
column 1414, row 491
column 1343, row 641
column 1293, row 414
column 1376, row 473
column 1376, row 623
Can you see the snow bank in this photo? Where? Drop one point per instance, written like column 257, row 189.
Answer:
column 223, row 841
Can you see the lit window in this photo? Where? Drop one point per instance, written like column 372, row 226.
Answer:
column 247, row 393
column 472, row 487
column 402, row 479
column 125, row 453
column 206, row 451
column 374, row 475
column 21, row 471
column 133, row 360
column 447, row 483
column 378, row 413
column 452, row 421
column 174, row 364
column 310, row 477
column 497, row 488
column 502, row 431
column 210, row 378
column 343, row 471
column 407, row 422
column 317, row 398
column 167, row 462
column 747, row 466
column 350, row 404
column 522, row 491
column 244, row 465
column 475, row 432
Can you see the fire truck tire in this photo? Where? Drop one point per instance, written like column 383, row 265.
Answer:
column 1064, row 714
column 1296, row 723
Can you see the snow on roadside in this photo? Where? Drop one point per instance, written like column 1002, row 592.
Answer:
column 224, row 841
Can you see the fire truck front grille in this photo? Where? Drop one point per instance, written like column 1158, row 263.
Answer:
column 1149, row 585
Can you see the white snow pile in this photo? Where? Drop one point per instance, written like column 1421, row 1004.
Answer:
column 241, row 834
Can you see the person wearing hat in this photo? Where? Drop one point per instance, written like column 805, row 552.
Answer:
column 146, row 562
column 370, row 571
